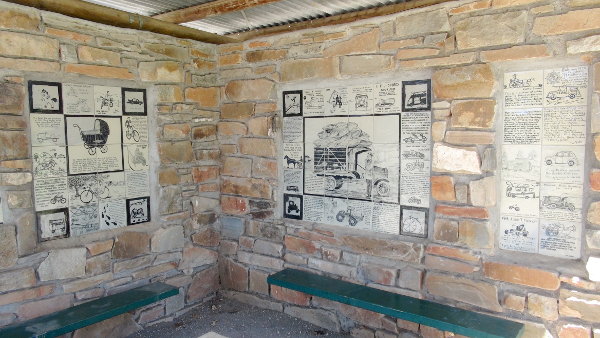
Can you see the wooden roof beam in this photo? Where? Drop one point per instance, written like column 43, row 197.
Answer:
column 208, row 9
column 336, row 19
column 114, row 17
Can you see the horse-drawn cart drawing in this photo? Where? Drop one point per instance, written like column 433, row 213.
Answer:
column 95, row 138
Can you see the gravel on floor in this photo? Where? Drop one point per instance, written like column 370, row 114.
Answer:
column 232, row 319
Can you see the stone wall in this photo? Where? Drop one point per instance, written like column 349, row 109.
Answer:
column 180, row 245
column 466, row 46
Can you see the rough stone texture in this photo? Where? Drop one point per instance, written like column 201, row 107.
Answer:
column 15, row 145
column 176, row 152
column 233, row 275
column 422, row 23
column 160, row 71
column 483, row 192
column 12, row 98
column 204, row 283
column 580, row 305
column 451, row 60
column 479, row 294
column 305, row 69
column 207, row 237
column 17, row 19
column 246, row 90
column 237, row 166
column 399, row 250
column 451, row 252
column 412, row 53
column 237, row 111
column 130, row 244
column 442, row 188
column 170, row 200
column 455, row 160
column 17, row 279
column 573, row 21
column 205, row 97
column 98, row 55
column 20, row 44
column 514, row 302
column 105, row 72
column 476, row 32
column 488, row 162
column 36, row 65
column 475, row 234
column 574, row 331
column 20, row 296
column 359, row 44
column 521, row 275
column 468, row 137
column 63, row 264
column 8, row 246
column 119, row 326
column 441, row 263
column 515, row 53
column 438, row 130
column 542, row 306
column 593, row 239
column 300, row 245
column 43, row 307
column 463, row 82
column 317, row 317
column 290, row 296
column 593, row 214
column 445, row 230
column 258, row 147
column 195, row 256
column 167, row 239
column 477, row 114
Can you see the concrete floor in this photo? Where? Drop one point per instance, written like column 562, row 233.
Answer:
column 224, row 317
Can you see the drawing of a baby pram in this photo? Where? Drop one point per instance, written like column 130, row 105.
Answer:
column 95, row 138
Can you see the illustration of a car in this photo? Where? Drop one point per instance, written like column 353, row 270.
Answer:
column 415, row 137
column 44, row 136
column 564, row 91
column 135, row 101
column 292, row 207
column 413, row 154
column 386, row 102
column 523, row 190
column 414, row 200
column 292, row 188
column 557, row 202
column 562, row 157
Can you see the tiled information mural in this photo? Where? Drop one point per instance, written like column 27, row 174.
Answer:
column 359, row 156
column 90, row 157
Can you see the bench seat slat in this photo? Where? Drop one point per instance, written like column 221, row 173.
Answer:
column 89, row 313
column 440, row 316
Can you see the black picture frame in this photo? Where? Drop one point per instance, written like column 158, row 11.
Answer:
column 292, row 202
column 39, row 214
column 50, row 102
column 409, row 103
column 408, row 232
column 292, row 103
column 128, row 101
column 130, row 206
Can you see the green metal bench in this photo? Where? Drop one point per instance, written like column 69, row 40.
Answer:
column 439, row 316
column 85, row 314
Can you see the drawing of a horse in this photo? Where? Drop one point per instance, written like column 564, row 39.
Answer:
column 295, row 163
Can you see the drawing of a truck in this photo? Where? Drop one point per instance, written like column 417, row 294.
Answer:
column 338, row 165
column 564, row 91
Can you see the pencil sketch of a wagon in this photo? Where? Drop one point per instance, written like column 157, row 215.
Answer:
column 95, row 138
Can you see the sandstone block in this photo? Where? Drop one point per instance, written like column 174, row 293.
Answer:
column 258, row 282
column 476, row 32
column 17, row 279
column 366, row 64
column 15, row 145
column 233, row 275
column 202, row 204
column 593, row 215
column 480, row 294
column 514, row 302
column 468, row 137
column 290, row 296
column 160, row 71
column 542, row 306
column 515, row 53
column 396, row 44
column 20, row 296
column 237, row 166
column 12, row 122
column 250, row 187
column 470, row 7
column 305, row 69
column 260, row 260
column 265, row 55
column 261, row 126
column 249, row 90
column 207, row 237
column 15, row 179
column 205, row 173
column 595, row 180
column 204, row 96
column 82, row 284
column 380, row 274
column 445, row 230
column 574, row 331
column 579, row 305
column 8, row 246
column 63, row 264
column 413, row 53
column 170, row 200
column 475, row 234
column 234, row 205
column 573, row 21
column 477, row 114
column 451, row 60
column 257, row 147
column 204, row 283
column 231, row 128
column 98, row 55
column 100, row 71
column 230, row 59
column 455, row 160
column 441, row 263
column 130, row 244
column 438, row 130
column 317, row 317
column 169, row 93
column 171, row 51
column 451, row 252
column 17, row 19
column 521, row 275
column 204, row 133
column 399, row 250
column 20, row 44
column 176, row 131
column 300, row 245
column 264, row 168
column 43, row 307
column 584, row 45
column 122, row 325
column 423, row 23
column 463, row 82
column 176, row 152
column 167, row 239
column 268, row 248
column 483, row 192
column 442, row 188
column 362, row 43
column 194, row 257
column 237, row 111
column 12, row 98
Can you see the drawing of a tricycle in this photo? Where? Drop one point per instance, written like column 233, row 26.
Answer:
column 95, row 138
column 352, row 219
column 130, row 131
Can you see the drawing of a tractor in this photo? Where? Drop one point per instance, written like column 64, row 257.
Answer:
column 352, row 219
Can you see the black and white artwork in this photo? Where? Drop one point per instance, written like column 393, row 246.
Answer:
column 45, row 97
column 416, row 95
column 113, row 214
column 292, row 206
column 134, row 101
column 49, row 161
column 413, row 221
column 292, row 103
column 138, row 210
column 84, row 219
column 78, row 99
column 53, row 224
column 107, row 100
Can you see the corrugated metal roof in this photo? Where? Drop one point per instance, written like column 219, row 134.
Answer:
column 272, row 14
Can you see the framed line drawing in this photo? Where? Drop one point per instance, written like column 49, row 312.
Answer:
column 53, row 224
column 416, row 95
column 45, row 97
column 292, row 206
column 292, row 103
column 413, row 221
column 134, row 101
column 138, row 210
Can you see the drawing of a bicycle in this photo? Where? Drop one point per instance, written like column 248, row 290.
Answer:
column 95, row 138
column 131, row 132
column 86, row 195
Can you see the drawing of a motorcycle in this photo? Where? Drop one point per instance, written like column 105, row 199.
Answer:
column 106, row 101
column 58, row 199
column 352, row 219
